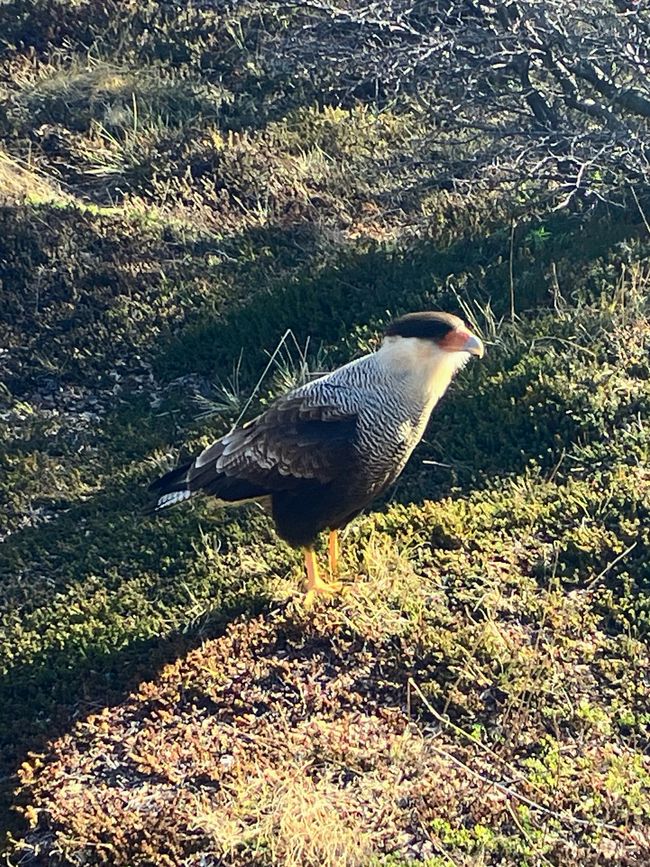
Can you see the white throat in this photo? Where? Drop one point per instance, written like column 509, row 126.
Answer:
column 422, row 368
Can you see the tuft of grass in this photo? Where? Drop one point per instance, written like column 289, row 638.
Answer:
column 25, row 183
column 288, row 818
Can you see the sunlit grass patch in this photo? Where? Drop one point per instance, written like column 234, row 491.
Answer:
column 23, row 182
column 77, row 91
column 289, row 819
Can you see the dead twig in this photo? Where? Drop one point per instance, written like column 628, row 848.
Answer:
column 509, row 792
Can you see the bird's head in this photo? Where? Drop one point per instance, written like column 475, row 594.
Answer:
column 430, row 333
column 429, row 347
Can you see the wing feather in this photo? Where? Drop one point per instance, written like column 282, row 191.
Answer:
column 294, row 440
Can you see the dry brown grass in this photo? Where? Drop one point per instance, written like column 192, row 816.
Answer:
column 25, row 183
column 295, row 820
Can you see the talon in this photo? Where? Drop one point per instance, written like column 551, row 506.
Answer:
column 315, row 585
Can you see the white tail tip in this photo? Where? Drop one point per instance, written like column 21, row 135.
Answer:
column 172, row 499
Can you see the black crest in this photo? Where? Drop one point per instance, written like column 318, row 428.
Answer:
column 429, row 325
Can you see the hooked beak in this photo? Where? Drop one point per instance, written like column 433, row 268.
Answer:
column 463, row 341
column 474, row 345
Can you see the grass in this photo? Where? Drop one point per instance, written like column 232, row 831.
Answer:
column 313, row 737
column 478, row 695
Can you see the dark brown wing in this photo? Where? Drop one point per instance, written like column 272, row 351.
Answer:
column 292, row 441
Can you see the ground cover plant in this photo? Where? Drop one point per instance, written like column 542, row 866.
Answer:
column 177, row 206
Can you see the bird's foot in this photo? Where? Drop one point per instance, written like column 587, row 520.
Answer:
column 315, row 586
column 320, row 589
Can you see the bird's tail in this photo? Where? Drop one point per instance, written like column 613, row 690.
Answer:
column 172, row 488
column 197, row 477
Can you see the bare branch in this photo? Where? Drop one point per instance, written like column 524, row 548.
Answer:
column 552, row 93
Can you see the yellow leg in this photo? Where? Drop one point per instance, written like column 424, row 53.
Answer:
column 333, row 551
column 315, row 586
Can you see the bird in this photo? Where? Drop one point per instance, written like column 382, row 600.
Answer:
column 322, row 452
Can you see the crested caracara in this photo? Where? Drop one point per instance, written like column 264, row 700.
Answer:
column 322, row 452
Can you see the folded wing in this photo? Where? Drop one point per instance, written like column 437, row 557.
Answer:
column 295, row 440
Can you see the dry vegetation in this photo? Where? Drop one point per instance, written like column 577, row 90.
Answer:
column 179, row 187
column 313, row 738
